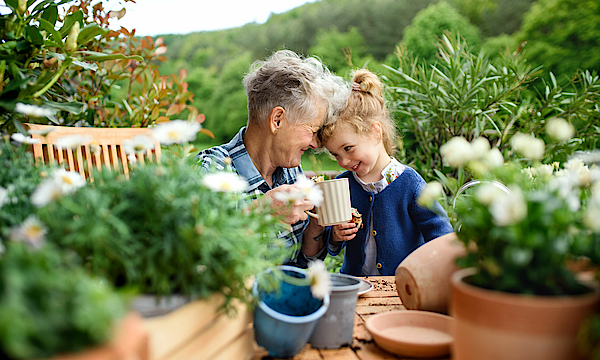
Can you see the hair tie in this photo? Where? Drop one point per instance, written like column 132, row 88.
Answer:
column 355, row 86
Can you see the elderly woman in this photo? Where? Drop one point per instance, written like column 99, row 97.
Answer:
column 289, row 99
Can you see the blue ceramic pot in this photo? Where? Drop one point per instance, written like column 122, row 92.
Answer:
column 284, row 321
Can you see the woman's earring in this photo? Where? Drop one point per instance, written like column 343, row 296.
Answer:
column 275, row 132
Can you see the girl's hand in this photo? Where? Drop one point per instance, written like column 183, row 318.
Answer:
column 344, row 232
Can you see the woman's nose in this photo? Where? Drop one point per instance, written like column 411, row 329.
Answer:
column 314, row 143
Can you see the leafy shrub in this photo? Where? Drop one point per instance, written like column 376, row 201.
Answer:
column 49, row 306
column 468, row 95
column 165, row 232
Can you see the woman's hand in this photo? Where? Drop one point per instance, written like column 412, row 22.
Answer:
column 344, row 232
column 293, row 212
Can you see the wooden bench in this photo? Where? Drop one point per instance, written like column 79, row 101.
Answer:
column 108, row 143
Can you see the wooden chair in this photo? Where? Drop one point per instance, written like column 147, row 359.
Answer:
column 83, row 159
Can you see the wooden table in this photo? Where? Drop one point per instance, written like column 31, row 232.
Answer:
column 382, row 298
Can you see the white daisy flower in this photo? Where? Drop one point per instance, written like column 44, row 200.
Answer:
column 24, row 139
column 95, row 148
column 429, row 194
column 456, row 152
column 225, row 182
column 72, row 141
column 176, row 132
column 289, row 197
column 33, row 110
column 529, row 146
column 31, row 231
column 139, row 144
column 60, row 183
column 69, row 181
column 309, row 190
column 560, row 129
column 320, row 279
column 42, row 132
column 132, row 159
column 46, row 192
column 509, row 208
column 4, row 196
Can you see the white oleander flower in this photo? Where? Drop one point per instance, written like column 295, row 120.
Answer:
column 592, row 213
column 544, row 170
column 560, row 129
column 579, row 172
column 320, row 279
column 493, row 158
column 4, row 196
column 72, row 141
column 529, row 146
column 31, row 231
column 24, row 139
column 176, row 132
column 33, row 110
column 487, row 193
column 509, row 208
column 309, row 190
column 480, row 147
column 223, row 181
column 429, row 194
column 139, row 144
column 456, row 152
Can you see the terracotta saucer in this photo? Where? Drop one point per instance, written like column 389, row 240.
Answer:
column 412, row 333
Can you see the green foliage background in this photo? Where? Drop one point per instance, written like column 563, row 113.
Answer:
column 349, row 34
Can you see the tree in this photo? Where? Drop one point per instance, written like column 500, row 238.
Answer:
column 422, row 35
column 563, row 35
column 334, row 48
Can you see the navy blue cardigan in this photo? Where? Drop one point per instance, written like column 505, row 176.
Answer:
column 399, row 224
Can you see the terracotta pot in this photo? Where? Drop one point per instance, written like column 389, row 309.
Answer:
column 494, row 325
column 423, row 277
column 129, row 342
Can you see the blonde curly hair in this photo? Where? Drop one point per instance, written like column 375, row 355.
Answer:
column 366, row 106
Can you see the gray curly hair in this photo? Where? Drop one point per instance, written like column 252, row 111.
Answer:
column 299, row 85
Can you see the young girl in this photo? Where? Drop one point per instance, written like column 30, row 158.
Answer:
column 384, row 191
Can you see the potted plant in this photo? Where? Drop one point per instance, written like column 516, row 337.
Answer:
column 49, row 305
column 289, row 303
column 172, row 231
column 517, row 297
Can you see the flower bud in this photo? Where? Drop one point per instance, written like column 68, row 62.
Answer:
column 71, row 43
column 22, row 8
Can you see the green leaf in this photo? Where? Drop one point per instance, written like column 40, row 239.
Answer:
column 54, row 35
column 106, row 57
column 13, row 4
column 89, row 32
column 73, row 107
column 33, row 34
column 69, row 21
column 50, row 15
column 85, row 65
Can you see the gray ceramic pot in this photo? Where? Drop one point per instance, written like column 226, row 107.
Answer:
column 335, row 328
